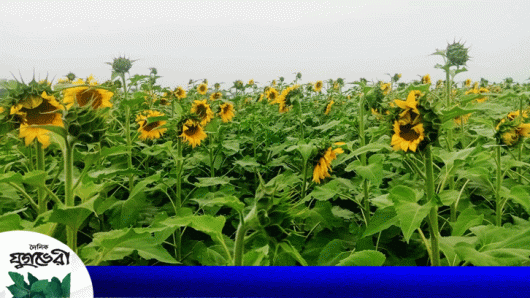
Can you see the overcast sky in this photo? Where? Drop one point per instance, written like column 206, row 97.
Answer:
column 228, row 40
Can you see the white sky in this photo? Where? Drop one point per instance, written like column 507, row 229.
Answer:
column 229, row 40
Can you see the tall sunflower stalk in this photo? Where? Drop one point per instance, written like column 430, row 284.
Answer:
column 454, row 55
column 415, row 129
column 362, row 138
column 120, row 66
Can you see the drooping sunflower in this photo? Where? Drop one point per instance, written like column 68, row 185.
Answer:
column 179, row 92
column 216, row 95
column 226, row 112
column 410, row 104
column 323, row 165
column 251, row 82
column 318, row 86
column 97, row 97
column 511, row 128
column 272, row 94
column 202, row 109
column 386, row 88
column 192, row 132
column 152, row 130
column 202, row 88
column 328, row 107
column 426, row 79
column 37, row 110
column 408, row 132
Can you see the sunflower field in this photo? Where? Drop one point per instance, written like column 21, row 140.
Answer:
column 128, row 172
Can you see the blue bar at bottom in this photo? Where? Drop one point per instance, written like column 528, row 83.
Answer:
column 177, row 281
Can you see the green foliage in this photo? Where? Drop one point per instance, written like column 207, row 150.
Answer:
column 39, row 288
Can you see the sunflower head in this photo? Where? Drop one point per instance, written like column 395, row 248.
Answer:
column 202, row 88
column 216, row 96
column 457, row 54
column 216, row 86
column 396, row 77
column 226, row 111
column 82, row 96
column 318, row 86
column 239, row 85
column 512, row 128
column 272, row 95
column 322, row 160
column 251, row 82
column 426, row 79
column 71, row 76
column 179, row 92
column 86, row 124
column 121, row 65
column 191, row 130
column 203, row 111
column 467, row 83
column 328, row 107
column 415, row 124
column 149, row 128
column 298, row 75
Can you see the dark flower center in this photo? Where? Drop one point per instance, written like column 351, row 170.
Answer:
column 407, row 133
column 84, row 97
column 40, row 115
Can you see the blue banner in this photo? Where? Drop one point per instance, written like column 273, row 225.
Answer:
column 181, row 281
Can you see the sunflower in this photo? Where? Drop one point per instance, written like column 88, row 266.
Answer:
column 467, row 83
column 272, row 94
column 216, row 95
column 328, row 107
column 410, row 103
column 202, row 88
column 408, row 133
column 37, row 110
column 273, row 82
column 318, row 86
column 202, row 109
column 192, row 132
column 426, row 79
column 261, row 97
column 180, row 93
column 152, row 130
column 462, row 119
column 226, row 112
column 99, row 98
column 251, row 82
column 323, row 165
column 386, row 87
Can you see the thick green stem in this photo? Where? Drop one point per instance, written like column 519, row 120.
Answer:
column 178, row 199
column 69, row 201
column 498, row 184
column 304, row 179
column 366, row 202
column 239, row 243
column 433, row 215
column 41, row 200
column 128, row 132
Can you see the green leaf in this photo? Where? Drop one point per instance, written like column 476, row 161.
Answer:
column 519, row 195
column 331, row 253
column 401, row 193
column 230, row 201
column 39, row 286
column 117, row 244
column 53, row 288
column 448, row 196
column 10, row 222
column 372, row 147
column 65, row 285
column 410, row 215
column 11, row 177
column 19, row 280
column 467, row 219
column 211, row 181
column 372, row 172
column 288, row 248
column 447, row 246
column 32, row 279
column 364, row 258
column 256, row 256
column 495, row 257
column 114, row 150
column 35, row 178
column 248, row 163
column 18, row 292
column 327, row 126
column 382, row 219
